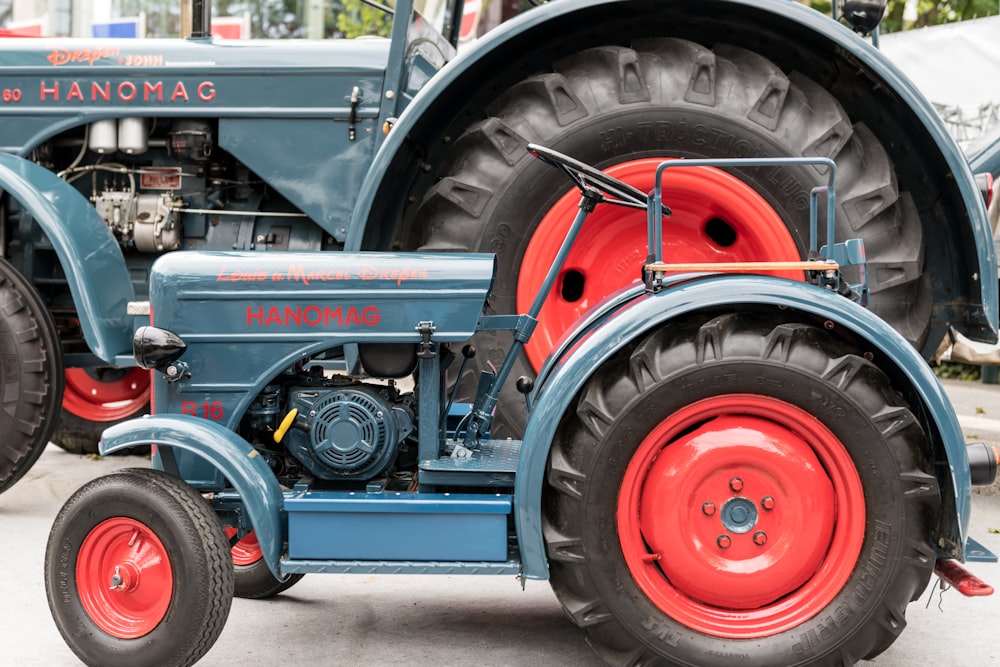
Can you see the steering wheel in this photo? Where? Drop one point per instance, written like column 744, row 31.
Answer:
column 587, row 178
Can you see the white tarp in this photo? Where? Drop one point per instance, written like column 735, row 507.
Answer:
column 957, row 68
column 956, row 64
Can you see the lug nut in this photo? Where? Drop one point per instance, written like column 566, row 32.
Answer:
column 724, row 541
column 708, row 508
column 736, row 484
column 767, row 502
column 760, row 538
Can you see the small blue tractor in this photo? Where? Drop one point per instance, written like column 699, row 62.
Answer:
column 714, row 463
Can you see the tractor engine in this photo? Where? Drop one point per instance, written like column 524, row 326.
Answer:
column 346, row 432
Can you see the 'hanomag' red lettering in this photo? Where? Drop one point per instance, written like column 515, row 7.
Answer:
column 312, row 316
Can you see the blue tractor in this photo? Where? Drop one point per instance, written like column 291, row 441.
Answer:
column 114, row 153
column 713, row 464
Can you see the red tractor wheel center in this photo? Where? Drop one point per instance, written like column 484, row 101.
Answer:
column 102, row 400
column 741, row 516
column 715, row 217
column 124, row 578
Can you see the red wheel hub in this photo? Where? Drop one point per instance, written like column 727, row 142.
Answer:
column 741, row 516
column 247, row 550
column 124, row 578
column 105, row 396
column 714, row 217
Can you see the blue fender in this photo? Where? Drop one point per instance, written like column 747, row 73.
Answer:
column 88, row 252
column 798, row 37
column 234, row 457
column 625, row 321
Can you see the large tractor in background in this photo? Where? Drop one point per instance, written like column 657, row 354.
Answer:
column 116, row 152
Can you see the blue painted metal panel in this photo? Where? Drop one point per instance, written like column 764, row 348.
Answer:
column 397, row 526
column 567, row 375
column 236, row 459
column 88, row 252
column 377, row 297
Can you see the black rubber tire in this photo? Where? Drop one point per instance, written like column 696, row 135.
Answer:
column 198, row 554
column 31, row 375
column 82, row 436
column 706, row 356
column 255, row 581
column 598, row 106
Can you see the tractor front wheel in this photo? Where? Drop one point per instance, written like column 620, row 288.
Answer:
column 95, row 399
column 736, row 488
column 137, row 571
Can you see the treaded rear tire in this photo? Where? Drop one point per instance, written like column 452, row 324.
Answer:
column 708, row 357
column 31, row 375
column 668, row 98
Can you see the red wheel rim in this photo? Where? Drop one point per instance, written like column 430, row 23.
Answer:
column 105, row 400
column 124, row 578
column 247, row 550
column 741, row 516
column 714, row 217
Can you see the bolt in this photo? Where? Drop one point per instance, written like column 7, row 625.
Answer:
column 708, row 508
column 724, row 541
column 767, row 502
column 760, row 538
column 736, row 484
column 116, row 579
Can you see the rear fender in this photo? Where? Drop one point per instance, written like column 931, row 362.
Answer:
column 866, row 83
column 234, row 458
column 626, row 320
column 88, row 252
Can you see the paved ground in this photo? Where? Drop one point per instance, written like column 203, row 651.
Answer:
column 417, row 621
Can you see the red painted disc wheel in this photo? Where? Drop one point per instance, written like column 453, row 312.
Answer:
column 124, row 578
column 247, row 550
column 741, row 516
column 106, row 395
column 715, row 217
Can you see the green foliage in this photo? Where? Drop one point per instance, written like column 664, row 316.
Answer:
column 955, row 371
column 358, row 19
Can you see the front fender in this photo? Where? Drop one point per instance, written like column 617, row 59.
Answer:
column 89, row 255
column 236, row 459
column 627, row 321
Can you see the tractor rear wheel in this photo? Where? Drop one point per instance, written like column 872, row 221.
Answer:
column 31, row 375
column 624, row 110
column 137, row 571
column 735, row 488
column 253, row 579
